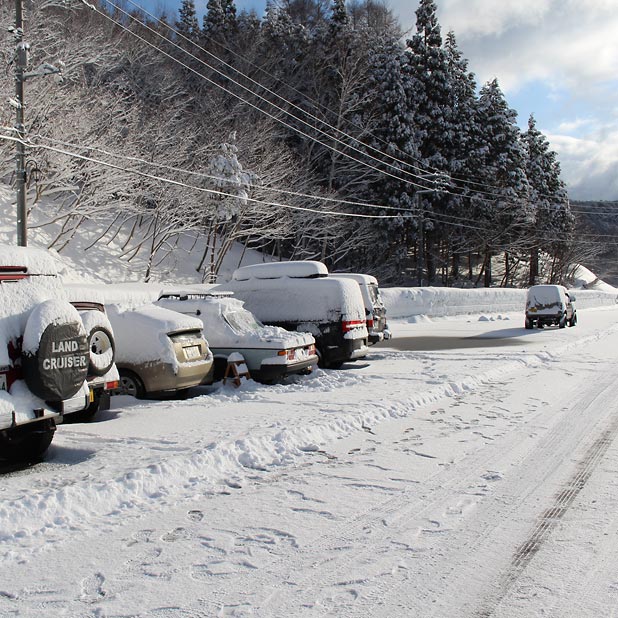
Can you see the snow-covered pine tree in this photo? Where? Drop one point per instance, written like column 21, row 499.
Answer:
column 430, row 98
column 387, row 111
column 187, row 24
column 220, row 22
column 554, row 221
column 503, row 218
column 464, row 155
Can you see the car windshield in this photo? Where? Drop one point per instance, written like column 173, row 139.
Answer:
column 242, row 322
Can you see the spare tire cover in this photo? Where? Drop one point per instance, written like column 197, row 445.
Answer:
column 55, row 368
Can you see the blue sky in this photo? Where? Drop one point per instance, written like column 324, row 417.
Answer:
column 557, row 59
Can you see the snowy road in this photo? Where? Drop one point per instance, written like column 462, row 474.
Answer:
column 452, row 480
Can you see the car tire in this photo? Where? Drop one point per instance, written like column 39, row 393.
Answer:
column 563, row 321
column 573, row 320
column 130, row 384
column 539, row 324
column 55, row 354
column 101, row 345
column 27, row 443
column 528, row 324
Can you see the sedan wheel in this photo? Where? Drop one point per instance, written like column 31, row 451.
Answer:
column 130, row 384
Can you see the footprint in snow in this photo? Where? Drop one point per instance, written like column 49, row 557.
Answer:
column 195, row 515
column 175, row 535
column 92, row 588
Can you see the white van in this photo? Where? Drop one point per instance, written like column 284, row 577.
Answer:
column 300, row 296
column 374, row 306
column 550, row 305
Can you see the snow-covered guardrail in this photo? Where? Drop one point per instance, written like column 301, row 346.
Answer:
column 440, row 302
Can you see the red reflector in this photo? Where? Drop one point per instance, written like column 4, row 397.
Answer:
column 370, row 323
column 110, row 385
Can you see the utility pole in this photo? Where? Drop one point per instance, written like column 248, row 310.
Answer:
column 439, row 182
column 22, row 60
column 21, row 63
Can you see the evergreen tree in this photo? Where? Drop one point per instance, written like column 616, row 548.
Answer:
column 429, row 96
column 554, row 220
column 503, row 213
column 187, row 24
column 464, row 152
column 219, row 23
column 388, row 112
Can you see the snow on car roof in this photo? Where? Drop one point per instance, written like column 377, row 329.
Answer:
column 274, row 270
column 141, row 332
column 296, row 299
column 359, row 277
column 546, row 293
column 33, row 259
column 148, row 315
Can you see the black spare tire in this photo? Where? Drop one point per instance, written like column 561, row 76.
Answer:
column 55, row 354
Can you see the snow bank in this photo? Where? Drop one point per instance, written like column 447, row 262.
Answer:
column 440, row 302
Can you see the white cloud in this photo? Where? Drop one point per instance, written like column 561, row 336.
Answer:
column 561, row 58
column 589, row 164
column 522, row 40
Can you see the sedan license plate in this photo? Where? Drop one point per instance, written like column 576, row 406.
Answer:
column 193, row 352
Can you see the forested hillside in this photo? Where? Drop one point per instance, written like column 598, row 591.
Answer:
column 315, row 132
column 599, row 222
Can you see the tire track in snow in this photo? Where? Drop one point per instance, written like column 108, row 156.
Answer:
column 551, row 518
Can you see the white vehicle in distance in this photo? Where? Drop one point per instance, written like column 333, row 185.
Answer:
column 550, row 305
column 271, row 353
column 158, row 351
column 374, row 305
column 300, row 296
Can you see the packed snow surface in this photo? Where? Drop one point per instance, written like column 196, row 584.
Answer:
column 464, row 468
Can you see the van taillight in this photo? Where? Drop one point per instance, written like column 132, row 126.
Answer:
column 370, row 323
column 348, row 325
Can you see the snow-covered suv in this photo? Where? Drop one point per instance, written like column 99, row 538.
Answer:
column 56, row 358
column 550, row 305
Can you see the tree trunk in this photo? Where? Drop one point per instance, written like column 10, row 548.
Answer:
column 534, row 266
column 487, row 266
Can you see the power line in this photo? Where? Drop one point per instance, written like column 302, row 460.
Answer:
column 193, row 187
column 444, row 219
column 265, row 100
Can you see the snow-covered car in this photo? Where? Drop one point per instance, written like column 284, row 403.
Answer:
column 270, row 352
column 374, row 305
column 550, row 305
column 50, row 365
column 159, row 351
column 300, row 296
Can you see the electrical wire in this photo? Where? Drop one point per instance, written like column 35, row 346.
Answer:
column 433, row 217
column 193, row 187
column 415, row 183
column 427, row 169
